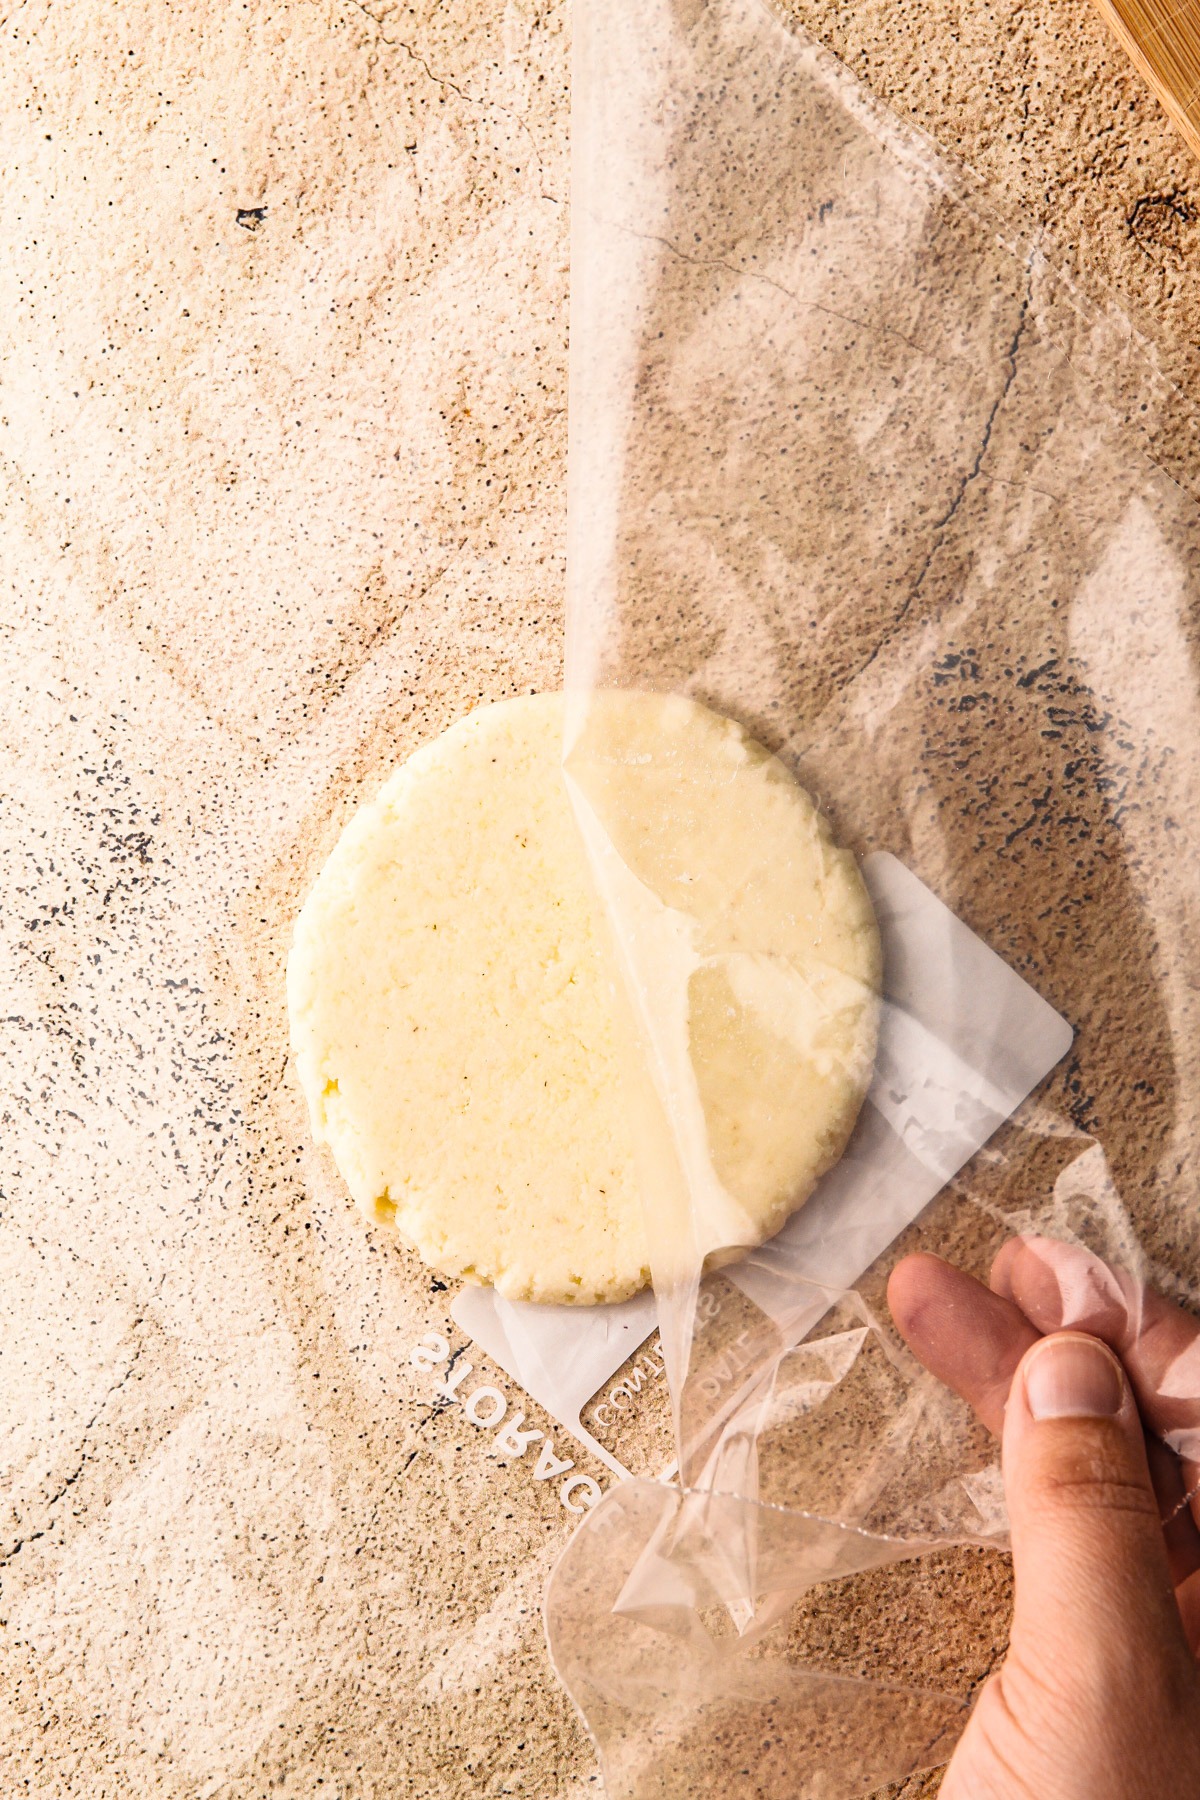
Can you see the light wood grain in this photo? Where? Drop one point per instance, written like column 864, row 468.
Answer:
column 1163, row 43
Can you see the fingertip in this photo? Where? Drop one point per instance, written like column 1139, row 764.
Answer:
column 913, row 1285
column 1024, row 1259
column 1028, row 1271
column 1000, row 1276
column 1062, row 1286
column 969, row 1338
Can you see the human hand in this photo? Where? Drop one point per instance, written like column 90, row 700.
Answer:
column 1099, row 1696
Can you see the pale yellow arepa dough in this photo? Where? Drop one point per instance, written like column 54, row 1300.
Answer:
column 452, row 1007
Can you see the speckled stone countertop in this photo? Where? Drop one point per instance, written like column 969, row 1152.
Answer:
column 282, row 445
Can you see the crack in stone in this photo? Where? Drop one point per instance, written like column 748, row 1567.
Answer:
column 829, row 312
column 972, row 474
column 84, row 1459
column 442, row 81
column 993, row 1663
column 433, row 1410
column 980, row 1681
column 484, row 103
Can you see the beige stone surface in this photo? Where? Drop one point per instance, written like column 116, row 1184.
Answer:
column 282, row 436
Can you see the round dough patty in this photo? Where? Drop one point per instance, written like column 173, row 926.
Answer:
column 452, row 1008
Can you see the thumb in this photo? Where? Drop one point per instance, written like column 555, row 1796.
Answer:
column 1095, row 1612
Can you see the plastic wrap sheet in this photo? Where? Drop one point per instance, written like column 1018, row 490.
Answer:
column 853, row 462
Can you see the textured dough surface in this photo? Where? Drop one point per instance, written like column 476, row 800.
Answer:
column 452, row 1009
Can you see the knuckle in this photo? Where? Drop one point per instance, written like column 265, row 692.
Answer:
column 1096, row 1475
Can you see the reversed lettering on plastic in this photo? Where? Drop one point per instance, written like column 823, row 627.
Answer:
column 624, row 1395
column 963, row 1041
column 487, row 1409
column 561, row 1355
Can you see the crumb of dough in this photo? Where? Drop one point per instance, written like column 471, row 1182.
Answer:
column 452, row 1007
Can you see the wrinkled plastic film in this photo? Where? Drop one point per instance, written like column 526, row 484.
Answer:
column 855, row 464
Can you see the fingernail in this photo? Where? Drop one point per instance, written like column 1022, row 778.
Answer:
column 1070, row 1376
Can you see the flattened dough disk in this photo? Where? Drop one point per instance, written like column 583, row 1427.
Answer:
column 452, row 1007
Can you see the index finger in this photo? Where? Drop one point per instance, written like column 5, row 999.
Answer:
column 968, row 1337
column 1063, row 1286
column 973, row 1339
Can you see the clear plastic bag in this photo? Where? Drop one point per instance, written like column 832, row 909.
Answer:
column 853, row 462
